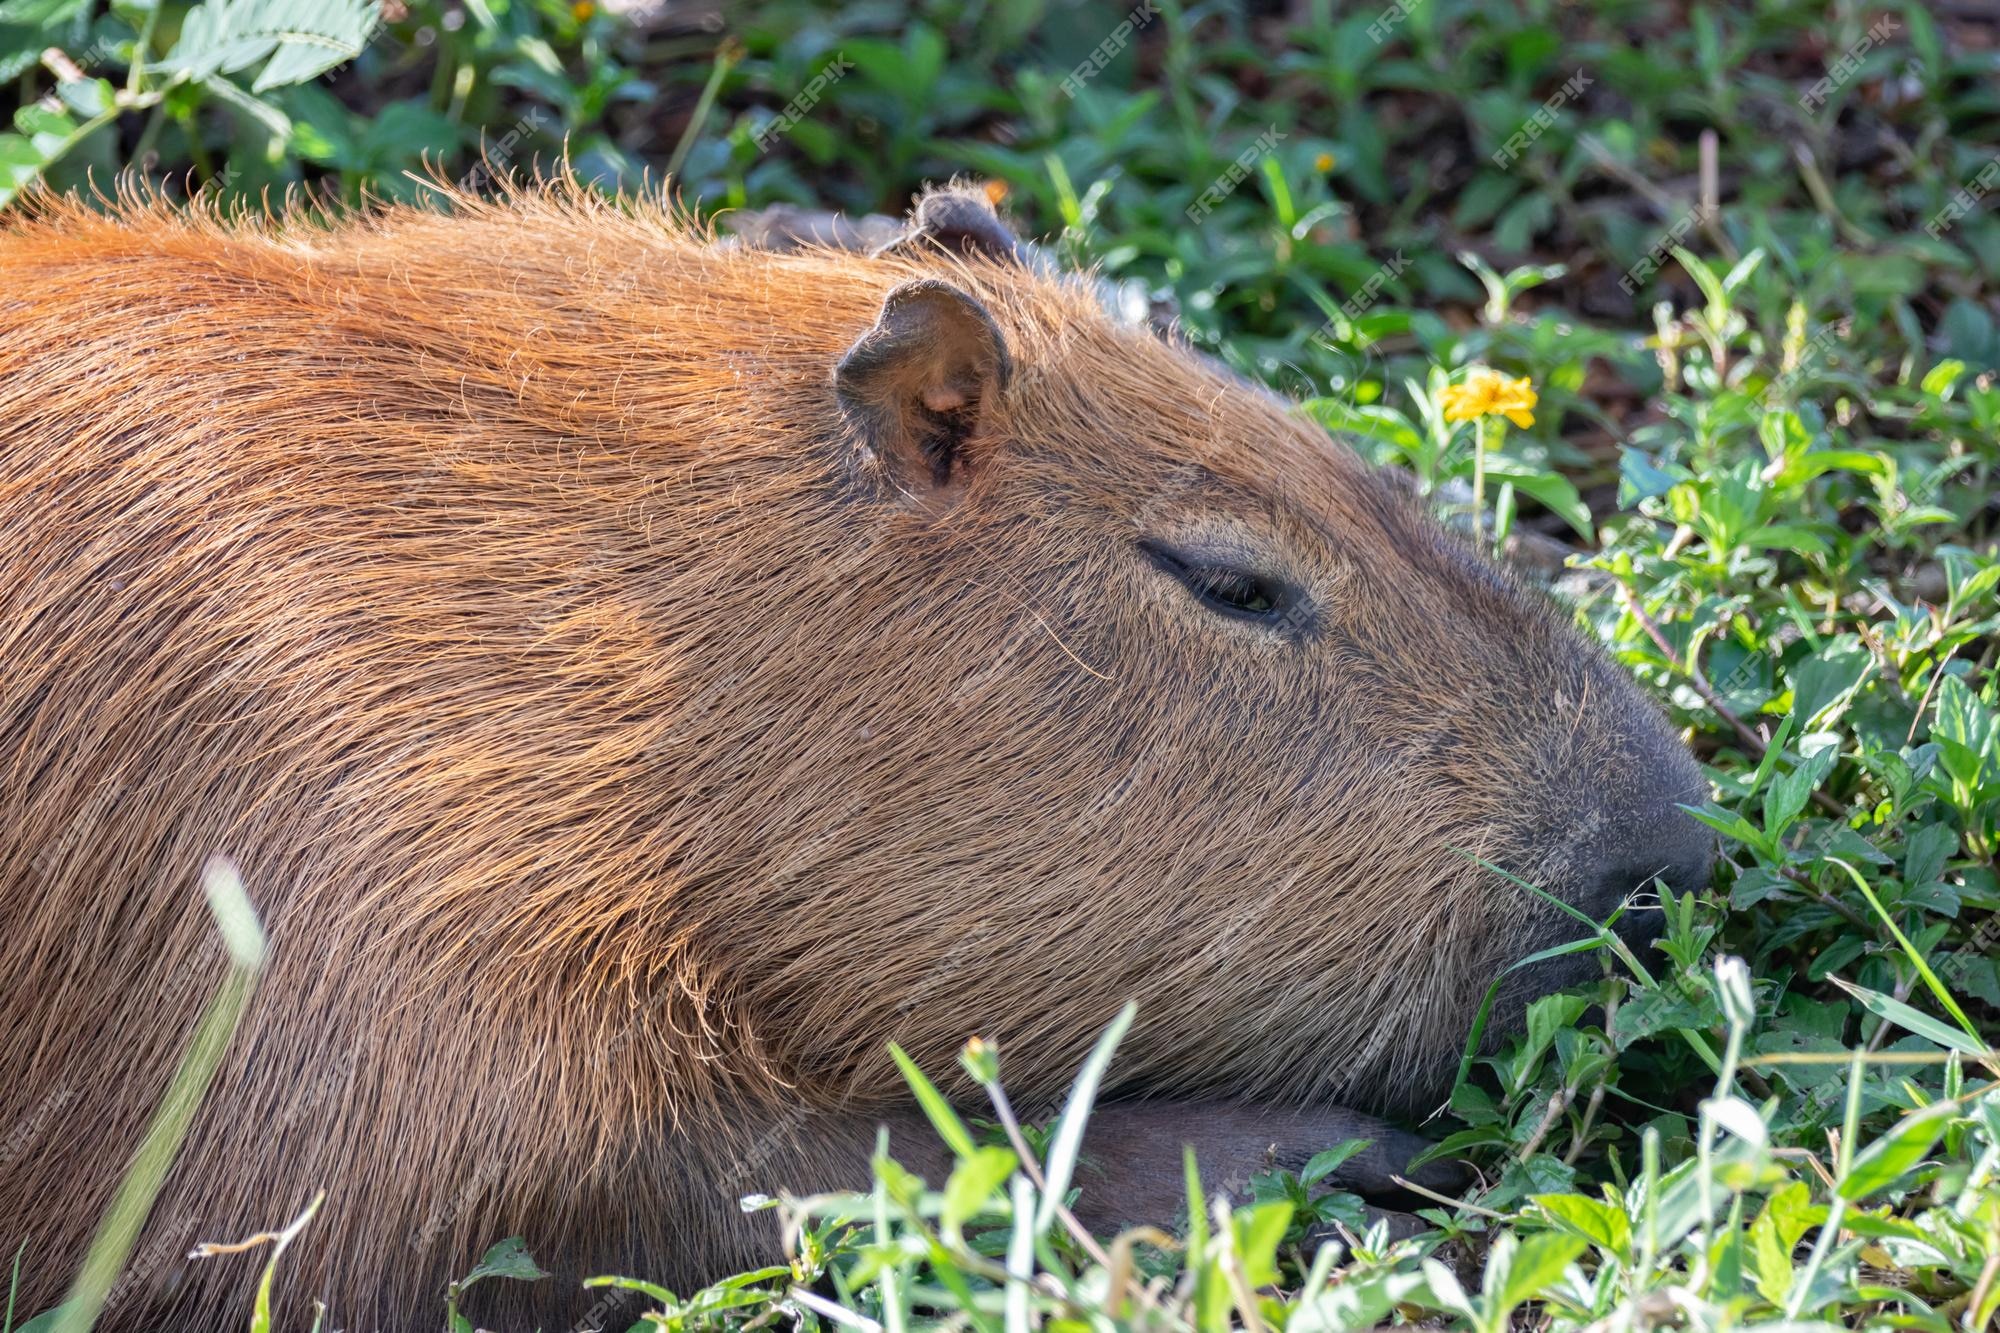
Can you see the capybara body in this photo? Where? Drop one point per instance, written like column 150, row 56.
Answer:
column 639, row 678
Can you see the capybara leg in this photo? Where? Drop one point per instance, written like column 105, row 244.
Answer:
column 1132, row 1170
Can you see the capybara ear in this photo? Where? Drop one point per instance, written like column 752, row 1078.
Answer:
column 959, row 222
column 918, row 383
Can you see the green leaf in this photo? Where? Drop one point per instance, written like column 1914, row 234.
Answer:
column 1774, row 1236
column 87, row 98
column 1546, row 1017
column 49, row 132
column 1890, row 1159
column 1640, row 477
column 1325, row 1163
column 1829, row 677
column 1553, row 490
column 1787, row 796
column 1731, row 824
column 403, row 134
column 1258, row 1230
column 1940, row 378
column 252, row 108
column 1925, row 851
column 665, row 1297
column 1966, row 731
column 1443, row 1290
column 45, row 1322
column 1519, row 1270
column 298, row 39
column 1378, row 423
column 1806, row 466
column 1769, row 763
column 509, row 1259
column 1788, row 537
column 1358, row 1302
column 936, row 1109
column 20, row 163
column 973, row 1183
column 1604, row 1226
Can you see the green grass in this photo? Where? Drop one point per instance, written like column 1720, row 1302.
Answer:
column 1769, row 458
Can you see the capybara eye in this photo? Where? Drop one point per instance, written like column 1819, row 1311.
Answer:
column 1222, row 587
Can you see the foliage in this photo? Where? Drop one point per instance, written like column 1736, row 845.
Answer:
column 1755, row 305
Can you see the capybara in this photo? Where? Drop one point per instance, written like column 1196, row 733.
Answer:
column 639, row 678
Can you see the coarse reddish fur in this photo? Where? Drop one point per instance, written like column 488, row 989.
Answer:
column 618, row 756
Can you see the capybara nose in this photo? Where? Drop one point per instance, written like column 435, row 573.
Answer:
column 1639, row 883
column 1685, row 872
column 1678, row 852
column 1647, row 839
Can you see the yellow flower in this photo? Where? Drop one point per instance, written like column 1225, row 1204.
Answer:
column 1324, row 162
column 1488, row 393
column 582, row 10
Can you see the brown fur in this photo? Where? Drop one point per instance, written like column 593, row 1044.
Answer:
column 619, row 757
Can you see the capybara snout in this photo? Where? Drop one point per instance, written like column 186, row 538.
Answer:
column 639, row 679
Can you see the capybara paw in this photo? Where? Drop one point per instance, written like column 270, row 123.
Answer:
column 1132, row 1170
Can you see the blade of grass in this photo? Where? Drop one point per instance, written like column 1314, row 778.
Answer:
column 1912, row 1020
column 13, row 1289
column 895, row 1299
column 726, row 56
column 1696, row 1042
column 1021, row 1255
column 1067, row 1141
column 1802, row 1283
column 1910, row 951
column 260, row 1313
column 1485, row 1013
column 119, row 1231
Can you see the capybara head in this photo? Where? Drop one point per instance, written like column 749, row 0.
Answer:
column 1128, row 682
column 640, row 677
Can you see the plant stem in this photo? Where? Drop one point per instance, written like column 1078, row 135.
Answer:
column 1012, row 1125
column 119, row 1233
column 1479, row 482
column 149, row 136
column 726, row 57
column 142, row 46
